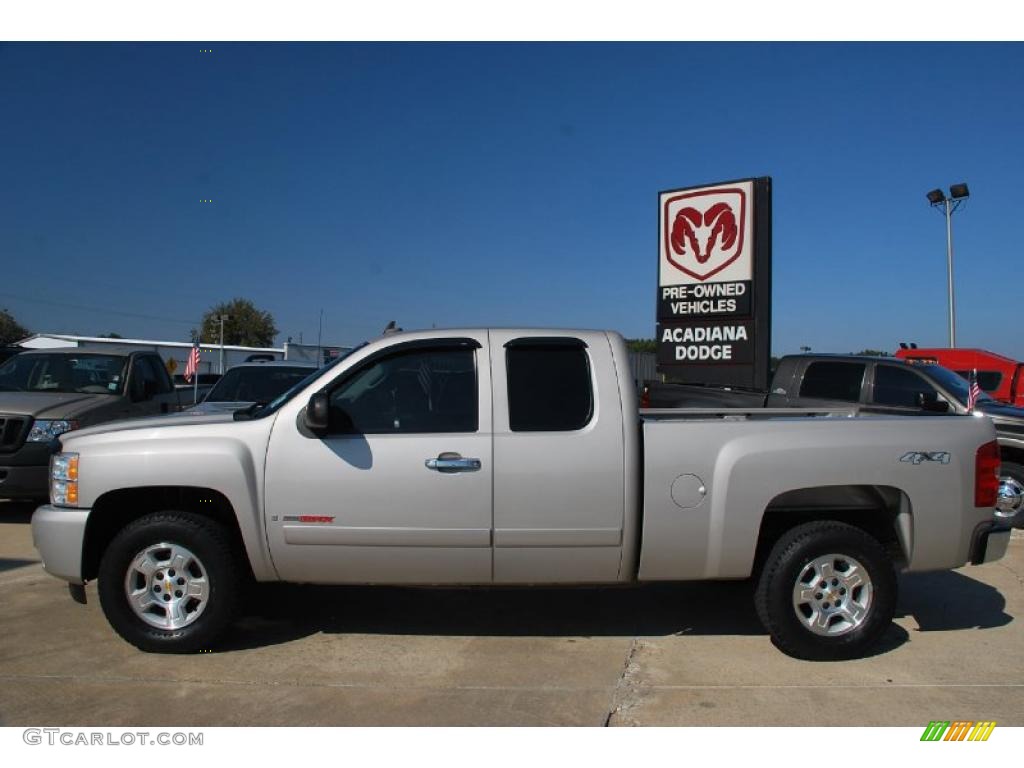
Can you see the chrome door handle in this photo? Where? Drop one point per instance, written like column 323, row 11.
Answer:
column 452, row 462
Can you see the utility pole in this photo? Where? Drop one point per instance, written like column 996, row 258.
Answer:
column 319, row 335
column 222, row 318
column 949, row 273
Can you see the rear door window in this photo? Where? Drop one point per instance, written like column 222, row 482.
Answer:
column 833, row 380
column 549, row 385
column 900, row 387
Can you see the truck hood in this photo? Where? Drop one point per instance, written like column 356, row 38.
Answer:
column 156, row 422
column 51, row 405
column 216, row 407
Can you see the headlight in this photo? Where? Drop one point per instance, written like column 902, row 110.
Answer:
column 64, row 479
column 44, row 430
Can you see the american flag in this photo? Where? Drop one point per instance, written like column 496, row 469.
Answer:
column 193, row 363
column 973, row 391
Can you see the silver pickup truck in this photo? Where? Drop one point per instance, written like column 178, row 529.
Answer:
column 479, row 457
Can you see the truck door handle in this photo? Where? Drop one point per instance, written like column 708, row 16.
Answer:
column 452, row 462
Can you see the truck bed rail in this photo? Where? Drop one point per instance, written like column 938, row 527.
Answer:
column 746, row 414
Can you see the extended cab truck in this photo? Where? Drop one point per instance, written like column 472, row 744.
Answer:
column 449, row 457
column 46, row 392
column 873, row 385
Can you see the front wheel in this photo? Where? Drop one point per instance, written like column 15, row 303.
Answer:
column 169, row 582
column 827, row 591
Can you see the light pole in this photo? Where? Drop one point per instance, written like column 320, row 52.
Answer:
column 222, row 318
column 937, row 198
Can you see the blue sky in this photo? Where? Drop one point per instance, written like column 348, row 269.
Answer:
column 501, row 184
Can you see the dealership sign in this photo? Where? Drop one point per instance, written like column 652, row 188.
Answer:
column 714, row 283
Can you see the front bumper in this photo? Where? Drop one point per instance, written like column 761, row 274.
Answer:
column 59, row 534
column 25, row 474
column 990, row 543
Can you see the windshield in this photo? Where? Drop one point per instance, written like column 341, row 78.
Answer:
column 955, row 385
column 284, row 397
column 85, row 373
column 255, row 384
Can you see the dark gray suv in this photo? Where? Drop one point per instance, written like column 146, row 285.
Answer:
column 47, row 392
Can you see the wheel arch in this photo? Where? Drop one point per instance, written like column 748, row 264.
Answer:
column 115, row 509
column 883, row 512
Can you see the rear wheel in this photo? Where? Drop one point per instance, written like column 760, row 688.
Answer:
column 1010, row 504
column 827, row 591
column 169, row 582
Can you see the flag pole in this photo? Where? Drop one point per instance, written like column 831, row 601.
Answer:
column 195, row 379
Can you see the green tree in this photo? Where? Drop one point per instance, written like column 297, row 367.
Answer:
column 246, row 325
column 10, row 329
column 641, row 345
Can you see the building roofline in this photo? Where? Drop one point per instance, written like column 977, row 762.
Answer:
column 149, row 342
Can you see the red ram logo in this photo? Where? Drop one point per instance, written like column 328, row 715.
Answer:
column 719, row 219
column 702, row 244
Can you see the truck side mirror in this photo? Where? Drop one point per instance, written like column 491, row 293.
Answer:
column 929, row 401
column 318, row 412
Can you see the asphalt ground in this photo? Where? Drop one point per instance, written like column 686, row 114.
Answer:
column 688, row 654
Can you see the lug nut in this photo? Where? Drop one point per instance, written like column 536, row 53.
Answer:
column 160, row 575
column 835, row 582
column 825, row 606
column 171, row 574
column 177, row 594
column 842, row 591
column 818, row 595
column 156, row 588
column 166, row 597
column 180, row 580
column 823, row 584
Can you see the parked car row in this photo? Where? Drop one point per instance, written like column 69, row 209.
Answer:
column 45, row 393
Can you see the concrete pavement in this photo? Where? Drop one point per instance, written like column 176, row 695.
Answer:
column 691, row 654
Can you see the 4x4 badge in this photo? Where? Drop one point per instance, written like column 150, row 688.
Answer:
column 916, row 457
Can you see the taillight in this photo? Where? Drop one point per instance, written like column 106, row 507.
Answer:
column 986, row 475
column 645, row 397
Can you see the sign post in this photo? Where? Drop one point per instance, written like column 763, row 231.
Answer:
column 714, row 283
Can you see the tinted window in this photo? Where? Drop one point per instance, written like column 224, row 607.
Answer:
column 899, row 386
column 414, row 391
column 143, row 371
column 255, row 383
column 988, row 381
column 833, row 381
column 159, row 374
column 549, row 387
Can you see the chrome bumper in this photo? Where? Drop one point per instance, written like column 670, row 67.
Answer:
column 59, row 534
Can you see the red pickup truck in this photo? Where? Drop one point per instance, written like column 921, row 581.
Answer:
column 1002, row 378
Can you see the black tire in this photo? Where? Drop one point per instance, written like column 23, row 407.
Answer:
column 790, row 558
column 211, row 544
column 1014, row 471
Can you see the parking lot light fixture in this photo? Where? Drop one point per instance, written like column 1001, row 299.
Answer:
column 937, row 199
column 959, row 191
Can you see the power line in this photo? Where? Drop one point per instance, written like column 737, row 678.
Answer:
column 101, row 310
